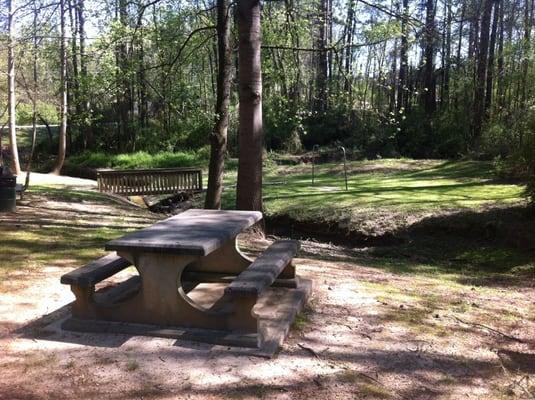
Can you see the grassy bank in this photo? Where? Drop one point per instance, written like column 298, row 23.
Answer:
column 382, row 195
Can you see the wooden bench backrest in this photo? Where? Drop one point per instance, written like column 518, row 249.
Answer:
column 149, row 181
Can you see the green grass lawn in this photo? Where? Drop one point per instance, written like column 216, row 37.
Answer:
column 379, row 188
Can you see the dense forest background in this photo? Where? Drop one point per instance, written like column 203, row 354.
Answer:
column 421, row 79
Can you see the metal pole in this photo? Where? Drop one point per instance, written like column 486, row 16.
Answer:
column 345, row 167
column 314, row 149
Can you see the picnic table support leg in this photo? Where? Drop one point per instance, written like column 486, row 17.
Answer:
column 244, row 319
column 163, row 301
column 83, row 306
column 227, row 259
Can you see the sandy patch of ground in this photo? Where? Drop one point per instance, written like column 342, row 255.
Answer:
column 49, row 179
column 366, row 334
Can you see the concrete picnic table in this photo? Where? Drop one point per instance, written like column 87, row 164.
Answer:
column 172, row 257
column 204, row 240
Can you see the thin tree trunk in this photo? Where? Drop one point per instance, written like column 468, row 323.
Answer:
column 322, row 66
column 490, row 66
column 482, row 61
column 348, row 39
column 218, row 137
column 87, row 129
column 393, row 71
column 447, row 62
column 249, row 186
column 429, row 95
column 124, row 97
column 403, row 61
column 12, row 128
column 75, row 79
column 62, row 149
column 34, row 98
column 526, row 45
column 500, row 89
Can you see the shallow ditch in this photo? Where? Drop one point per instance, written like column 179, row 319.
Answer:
column 327, row 232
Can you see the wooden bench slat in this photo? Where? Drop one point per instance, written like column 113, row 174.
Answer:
column 265, row 269
column 96, row 271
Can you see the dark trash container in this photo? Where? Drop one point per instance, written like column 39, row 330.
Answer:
column 8, row 193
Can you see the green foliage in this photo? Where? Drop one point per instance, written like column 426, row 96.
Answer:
column 383, row 31
column 24, row 112
column 141, row 159
column 513, row 147
column 282, row 123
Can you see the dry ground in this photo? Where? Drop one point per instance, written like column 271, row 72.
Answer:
column 368, row 332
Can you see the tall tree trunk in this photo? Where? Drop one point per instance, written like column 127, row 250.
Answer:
column 481, row 71
column 500, row 89
column 124, row 96
column 63, row 92
column 249, row 186
column 75, row 79
column 142, row 85
column 87, row 129
column 429, row 95
column 34, row 97
column 393, row 71
column 490, row 66
column 447, row 56
column 526, row 47
column 322, row 71
column 403, row 60
column 218, row 137
column 458, row 59
column 62, row 149
column 348, row 39
column 12, row 116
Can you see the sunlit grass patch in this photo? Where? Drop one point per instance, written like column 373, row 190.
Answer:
column 379, row 188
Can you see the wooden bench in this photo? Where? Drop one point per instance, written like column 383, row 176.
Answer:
column 96, row 271
column 155, row 181
column 265, row 270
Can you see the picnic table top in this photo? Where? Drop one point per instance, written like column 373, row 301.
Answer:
column 194, row 232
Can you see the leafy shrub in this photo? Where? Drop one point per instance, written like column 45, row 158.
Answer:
column 46, row 110
column 141, row 159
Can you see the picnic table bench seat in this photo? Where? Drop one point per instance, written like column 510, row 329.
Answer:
column 265, row 270
column 96, row 271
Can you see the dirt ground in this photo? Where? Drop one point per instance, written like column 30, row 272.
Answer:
column 366, row 333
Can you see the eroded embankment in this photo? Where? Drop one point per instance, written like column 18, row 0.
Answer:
column 513, row 226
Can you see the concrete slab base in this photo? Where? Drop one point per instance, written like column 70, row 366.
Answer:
column 277, row 308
